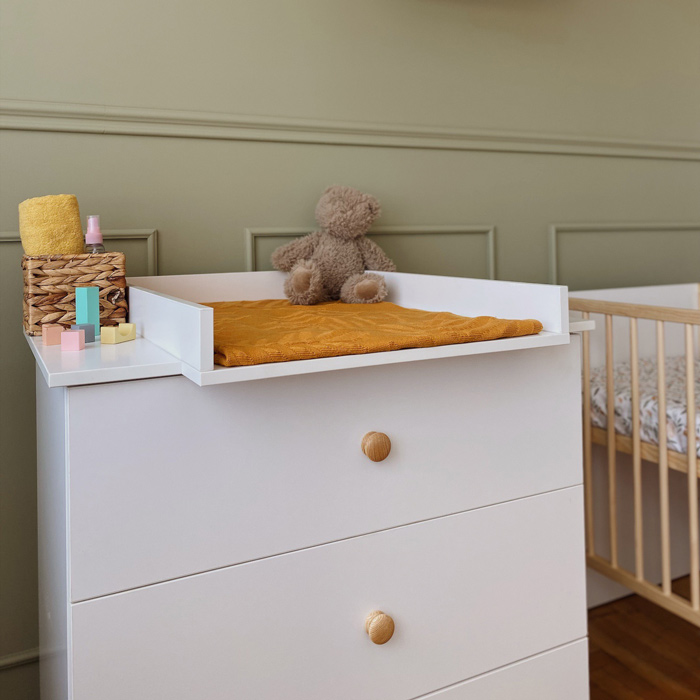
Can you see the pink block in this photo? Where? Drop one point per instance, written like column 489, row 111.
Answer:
column 72, row 340
column 51, row 333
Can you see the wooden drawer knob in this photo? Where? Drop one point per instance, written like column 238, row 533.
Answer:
column 376, row 446
column 379, row 626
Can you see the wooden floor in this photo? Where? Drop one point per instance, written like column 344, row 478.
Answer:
column 640, row 651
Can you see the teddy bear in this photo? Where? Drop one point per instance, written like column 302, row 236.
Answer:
column 332, row 263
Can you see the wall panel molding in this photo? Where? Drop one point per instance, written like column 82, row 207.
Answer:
column 556, row 230
column 19, row 658
column 486, row 230
column 26, row 115
column 149, row 235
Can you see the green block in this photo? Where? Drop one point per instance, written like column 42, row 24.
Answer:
column 87, row 307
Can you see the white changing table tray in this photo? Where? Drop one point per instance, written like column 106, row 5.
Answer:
column 167, row 310
column 177, row 337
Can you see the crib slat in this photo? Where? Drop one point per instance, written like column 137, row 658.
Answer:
column 663, row 461
column 636, row 452
column 692, row 468
column 612, row 465
column 587, row 440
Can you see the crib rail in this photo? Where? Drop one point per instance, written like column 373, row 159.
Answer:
column 665, row 458
column 653, row 313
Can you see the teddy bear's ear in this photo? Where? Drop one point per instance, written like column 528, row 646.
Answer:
column 331, row 188
column 374, row 206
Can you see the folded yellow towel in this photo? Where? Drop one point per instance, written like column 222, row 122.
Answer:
column 51, row 225
column 272, row 330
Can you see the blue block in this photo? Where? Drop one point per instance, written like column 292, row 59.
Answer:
column 88, row 328
column 87, row 307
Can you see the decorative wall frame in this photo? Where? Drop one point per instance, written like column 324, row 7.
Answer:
column 556, row 230
column 149, row 235
column 293, row 232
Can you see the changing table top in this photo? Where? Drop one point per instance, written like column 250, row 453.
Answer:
column 176, row 330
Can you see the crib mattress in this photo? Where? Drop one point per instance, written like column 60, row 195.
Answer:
column 273, row 330
column 676, row 411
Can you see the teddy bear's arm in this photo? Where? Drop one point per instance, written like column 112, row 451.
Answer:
column 374, row 257
column 286, row 256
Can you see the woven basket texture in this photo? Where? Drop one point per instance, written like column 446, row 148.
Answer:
column 50, row 282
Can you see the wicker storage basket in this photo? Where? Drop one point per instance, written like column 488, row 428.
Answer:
column 50, row 282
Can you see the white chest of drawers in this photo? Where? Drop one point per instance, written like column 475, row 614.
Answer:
column 228, row 541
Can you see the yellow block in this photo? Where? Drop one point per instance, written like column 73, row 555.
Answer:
column 111, row 335
column 51, row 225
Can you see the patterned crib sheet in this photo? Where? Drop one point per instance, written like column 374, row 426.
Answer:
column 676, row 412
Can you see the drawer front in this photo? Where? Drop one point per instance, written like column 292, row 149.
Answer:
column 468, row 593
column 554, row 675
column 204, row 477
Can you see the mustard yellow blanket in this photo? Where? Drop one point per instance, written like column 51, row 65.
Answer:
column 272, row 330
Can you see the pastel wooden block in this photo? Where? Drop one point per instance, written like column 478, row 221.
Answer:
column 118, row 334
column 88, row 328
column 72, row 340
column 87, row 307
column 51, row 333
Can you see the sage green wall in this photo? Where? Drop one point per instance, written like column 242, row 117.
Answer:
column 203, row 120
column 625, row 68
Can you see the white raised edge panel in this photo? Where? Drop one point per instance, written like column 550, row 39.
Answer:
column 167, row 310
column 182, row 328
column 547, row 303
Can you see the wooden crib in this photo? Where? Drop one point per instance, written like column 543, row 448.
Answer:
column 635, row 538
